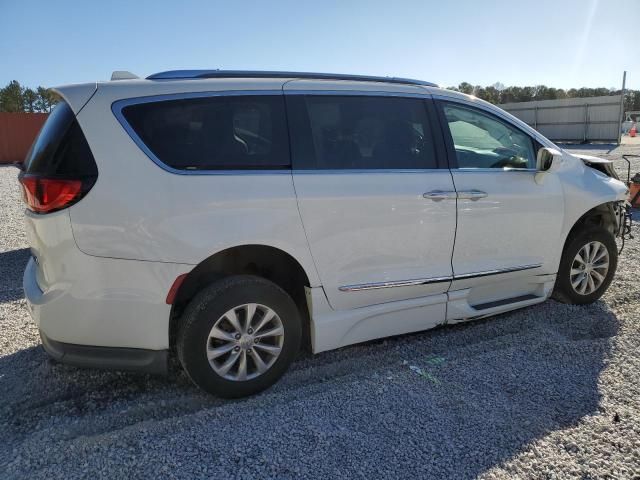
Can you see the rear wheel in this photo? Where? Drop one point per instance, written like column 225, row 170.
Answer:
column 587, row 266
column 238, row 336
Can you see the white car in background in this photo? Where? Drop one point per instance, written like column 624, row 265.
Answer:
column 235, row 217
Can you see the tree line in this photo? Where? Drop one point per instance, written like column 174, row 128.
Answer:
column 16, row 98
column 498, row 93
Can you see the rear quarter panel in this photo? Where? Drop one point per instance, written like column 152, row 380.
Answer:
column 137, row 210
column 87, row 300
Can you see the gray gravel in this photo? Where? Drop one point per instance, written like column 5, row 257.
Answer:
column 550, row 391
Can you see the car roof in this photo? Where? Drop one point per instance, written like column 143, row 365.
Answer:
column 177, row 82
column 127, row 85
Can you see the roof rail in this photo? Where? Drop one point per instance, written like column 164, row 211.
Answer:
column 194, row 74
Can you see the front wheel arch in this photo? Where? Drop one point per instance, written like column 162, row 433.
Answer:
column 563, row 290
column 602, row 215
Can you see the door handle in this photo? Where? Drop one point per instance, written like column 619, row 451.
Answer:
column 472, row 195
column 438, row 195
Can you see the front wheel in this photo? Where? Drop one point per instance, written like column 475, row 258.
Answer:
column 587, row 266
column 238, row 336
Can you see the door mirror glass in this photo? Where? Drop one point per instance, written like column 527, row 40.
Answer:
column 546, row 158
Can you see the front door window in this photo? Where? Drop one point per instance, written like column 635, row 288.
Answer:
column 483, row 141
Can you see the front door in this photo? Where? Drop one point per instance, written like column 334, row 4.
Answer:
column 362, row 166
column 508, row 236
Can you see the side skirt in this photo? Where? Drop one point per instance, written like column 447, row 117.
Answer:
column 462, row 306
column 337, row 328
column 332, row 329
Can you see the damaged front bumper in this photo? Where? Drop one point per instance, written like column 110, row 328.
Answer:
column 624, row 217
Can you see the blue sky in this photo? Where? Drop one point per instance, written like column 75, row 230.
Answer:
column 560, row 43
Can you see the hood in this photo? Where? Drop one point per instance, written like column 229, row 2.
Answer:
column 591, row 159
column 601, row 164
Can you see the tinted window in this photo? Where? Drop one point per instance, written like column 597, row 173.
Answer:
column 366, row 132
column 230, row 132
column 61, row 148
column 483, row 141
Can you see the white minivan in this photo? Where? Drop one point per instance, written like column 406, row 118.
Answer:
column 234, row 217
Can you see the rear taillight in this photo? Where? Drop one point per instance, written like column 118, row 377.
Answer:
column 46, row 195
column 59, row 169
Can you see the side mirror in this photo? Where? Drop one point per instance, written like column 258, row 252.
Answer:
column 547, row 160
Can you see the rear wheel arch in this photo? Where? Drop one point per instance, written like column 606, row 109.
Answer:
column 263, row 261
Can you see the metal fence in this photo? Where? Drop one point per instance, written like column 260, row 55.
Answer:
column 572, row 119
column 17, row 133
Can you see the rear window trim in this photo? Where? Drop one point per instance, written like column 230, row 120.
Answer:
column 118, row 106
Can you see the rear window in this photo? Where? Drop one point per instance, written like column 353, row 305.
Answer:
column 61, row 149
column 360, row 132
column 211, row 133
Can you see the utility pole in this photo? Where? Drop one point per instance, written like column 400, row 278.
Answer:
column 624, row 81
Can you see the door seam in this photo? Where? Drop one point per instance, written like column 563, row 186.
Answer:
column 295, row 191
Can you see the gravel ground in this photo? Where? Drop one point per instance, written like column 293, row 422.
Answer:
column 550, row 391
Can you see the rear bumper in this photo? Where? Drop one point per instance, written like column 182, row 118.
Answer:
column 101, row 302
column 45, row 311
column 134, row 359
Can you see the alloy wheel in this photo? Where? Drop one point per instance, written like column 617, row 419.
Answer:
column 245, row 342
column 589, row 268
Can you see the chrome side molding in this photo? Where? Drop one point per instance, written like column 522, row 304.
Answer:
column 392, row 284
column 425, row 281
column 497, row 271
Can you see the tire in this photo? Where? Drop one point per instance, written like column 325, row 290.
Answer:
column 217, row 305
column 564, row 290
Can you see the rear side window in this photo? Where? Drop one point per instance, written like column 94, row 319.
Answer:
column 61, row 149
column 211, row 133
column 360, row 132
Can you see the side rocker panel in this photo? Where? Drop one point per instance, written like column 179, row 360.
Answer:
column 337, row 328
